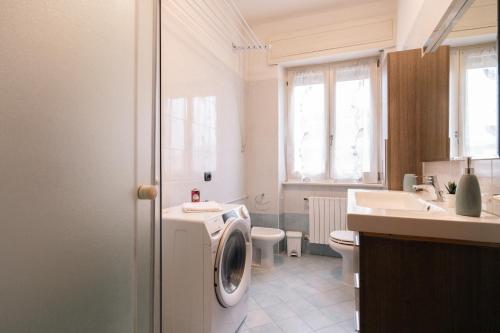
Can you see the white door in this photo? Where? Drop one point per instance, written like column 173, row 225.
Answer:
column 76, row 141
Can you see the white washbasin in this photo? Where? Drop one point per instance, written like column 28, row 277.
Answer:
column 394, row 200
column 405, row 213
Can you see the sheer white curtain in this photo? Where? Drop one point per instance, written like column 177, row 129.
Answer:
column 473, row 101
column 307, row 133
column 479, row 115
column 354, row 125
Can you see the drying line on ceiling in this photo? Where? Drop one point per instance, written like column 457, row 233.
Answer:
column 222, row 16
column 257, row 44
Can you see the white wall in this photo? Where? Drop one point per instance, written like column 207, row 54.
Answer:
column 323, row 34
column 265, row 120
column 376, row 8
column 262, row 154
column 203, row 109
column 487, row 172
column 408, row 11
column 266, row 98
column 477, row 25
column 282, row 117
column 417, row 19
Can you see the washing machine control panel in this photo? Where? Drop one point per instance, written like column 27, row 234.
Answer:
column 214, row 225
column 231, row 214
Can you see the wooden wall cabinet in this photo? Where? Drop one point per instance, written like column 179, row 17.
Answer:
column 418, row 112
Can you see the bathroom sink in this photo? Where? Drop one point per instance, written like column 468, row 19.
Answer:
column 395, row 200
column 408, row 214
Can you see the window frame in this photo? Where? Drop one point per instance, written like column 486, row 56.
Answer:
column 331, row 114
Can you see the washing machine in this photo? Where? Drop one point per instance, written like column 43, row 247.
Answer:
column 206, row 263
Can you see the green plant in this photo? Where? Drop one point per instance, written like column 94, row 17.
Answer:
column 451, row 187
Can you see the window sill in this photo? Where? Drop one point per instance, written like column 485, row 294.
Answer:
column 332, row 184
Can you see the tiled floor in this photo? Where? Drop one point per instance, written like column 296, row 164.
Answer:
column 300, row 295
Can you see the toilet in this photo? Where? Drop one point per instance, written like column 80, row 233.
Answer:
column 263, row 240
column 342, row 242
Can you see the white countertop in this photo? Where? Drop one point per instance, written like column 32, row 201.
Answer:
column 441, row 222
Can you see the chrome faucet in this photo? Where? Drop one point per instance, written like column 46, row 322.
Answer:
column 432, row 181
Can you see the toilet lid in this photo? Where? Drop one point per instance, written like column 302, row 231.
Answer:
column 342, row 236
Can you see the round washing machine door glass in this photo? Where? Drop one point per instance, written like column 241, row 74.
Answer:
column 233, row 263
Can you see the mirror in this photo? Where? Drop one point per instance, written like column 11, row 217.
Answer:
column 469, row 28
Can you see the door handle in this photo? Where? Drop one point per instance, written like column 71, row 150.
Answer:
column 147, row 192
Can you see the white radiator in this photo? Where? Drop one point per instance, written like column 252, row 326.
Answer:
column 326, row 215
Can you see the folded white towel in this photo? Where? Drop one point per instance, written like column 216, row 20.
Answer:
column 197, row 207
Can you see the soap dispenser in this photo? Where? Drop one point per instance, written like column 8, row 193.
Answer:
column 468, row 197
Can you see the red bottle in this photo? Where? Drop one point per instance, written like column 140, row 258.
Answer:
column 195, row 195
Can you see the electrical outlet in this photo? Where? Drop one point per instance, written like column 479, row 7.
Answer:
column 208, row 176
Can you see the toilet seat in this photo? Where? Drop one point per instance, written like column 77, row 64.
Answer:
column 262, row 233
column 345, row 237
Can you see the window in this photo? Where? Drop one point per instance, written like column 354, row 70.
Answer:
column 473, row 97
column 332, row 121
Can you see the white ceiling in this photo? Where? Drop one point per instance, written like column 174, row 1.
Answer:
column 260, row 11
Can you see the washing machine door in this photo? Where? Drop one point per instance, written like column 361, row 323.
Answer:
column 233, row 262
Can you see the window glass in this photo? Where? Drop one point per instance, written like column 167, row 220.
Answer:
column 473, row 102
column 332, row 124
column 480, row 104
column 351, row 129
column 308, row 130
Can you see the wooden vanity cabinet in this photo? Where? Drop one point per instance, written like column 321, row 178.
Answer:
column 412, row 284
